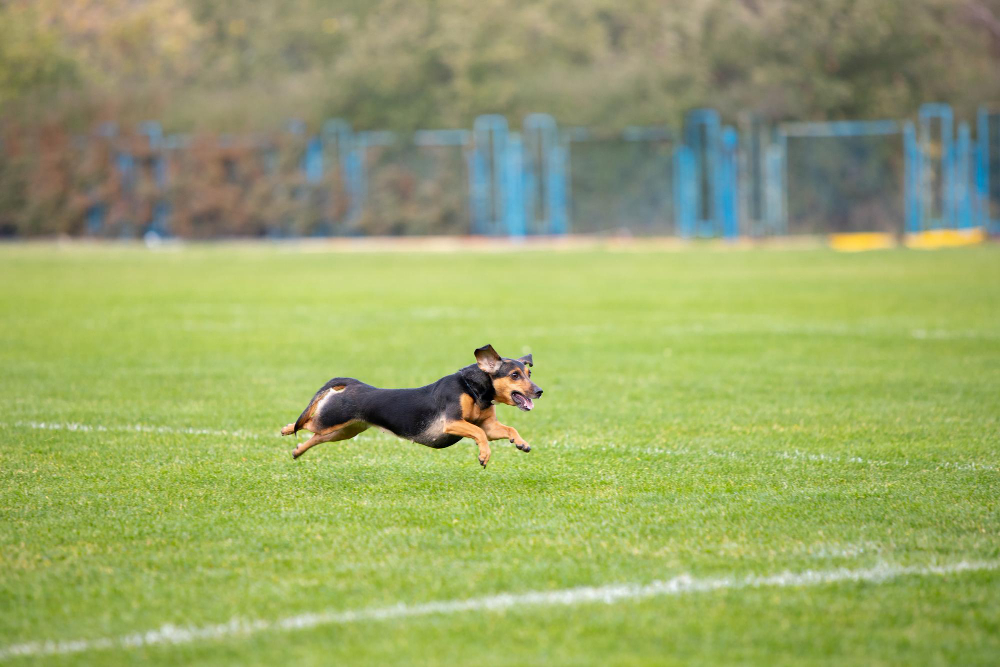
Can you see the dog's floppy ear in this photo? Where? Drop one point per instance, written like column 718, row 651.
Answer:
column 526, row 360
column 488, row 359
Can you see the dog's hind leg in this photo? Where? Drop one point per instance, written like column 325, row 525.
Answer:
column 341, row 432
column 288, row 430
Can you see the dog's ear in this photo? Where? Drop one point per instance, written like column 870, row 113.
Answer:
column 488, row 359
column 526, row 360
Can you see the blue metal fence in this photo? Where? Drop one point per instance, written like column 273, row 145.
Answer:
column 987, row 179
column 841, row 177
column 621, row 182
column 707, row 180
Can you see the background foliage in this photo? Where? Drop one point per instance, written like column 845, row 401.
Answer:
column 395, row 64
column 215, row 70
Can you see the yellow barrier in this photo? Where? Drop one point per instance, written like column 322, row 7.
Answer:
column 945, row 238
column 861, row 241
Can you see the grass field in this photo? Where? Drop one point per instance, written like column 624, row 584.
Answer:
column 720, row 415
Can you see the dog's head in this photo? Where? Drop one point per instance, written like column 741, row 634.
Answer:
column 511, row 378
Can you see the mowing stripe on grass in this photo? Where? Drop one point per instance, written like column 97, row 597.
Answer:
column 795, row 455
column 138, row 428
column 680, row 585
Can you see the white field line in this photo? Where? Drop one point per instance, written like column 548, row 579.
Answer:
column 130, row 428
column 793, row 455
column 680, row 585
column 796, row 455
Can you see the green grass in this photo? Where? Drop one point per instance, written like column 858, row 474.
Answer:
column 700, row 416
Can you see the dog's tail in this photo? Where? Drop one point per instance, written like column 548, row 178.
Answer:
column 306, row 414
column 336, row 385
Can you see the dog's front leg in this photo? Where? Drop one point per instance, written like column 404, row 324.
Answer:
column 469, row 430
column 496, row 431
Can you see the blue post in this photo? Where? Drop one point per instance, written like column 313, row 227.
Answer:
column 489, row 174
column 962, row 179
column 775, row 187
column 730, row 183
column 543, row 173
column 945, row 162
column 702, row 134
column 912, row 193
column 983, row 169
column 559, row 217
column 533, row 170
column 987, row 178
column 513, row 195
column 478, row 192
column 160, row 223
column 355, row 176
column 126, row 169
column 312, row 160
column 685, row 194
column 95, row 218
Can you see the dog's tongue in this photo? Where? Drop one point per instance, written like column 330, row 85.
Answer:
column 523, row 402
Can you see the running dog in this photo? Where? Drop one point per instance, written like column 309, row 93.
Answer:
column 460, row 405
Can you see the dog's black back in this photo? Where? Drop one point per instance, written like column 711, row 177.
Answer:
column 460, row 405
column 408, row 413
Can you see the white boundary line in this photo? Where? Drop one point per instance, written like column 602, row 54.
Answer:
column 794, row 455
column 680, row 585
column 128, row 428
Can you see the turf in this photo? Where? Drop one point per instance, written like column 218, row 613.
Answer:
column 705, row 412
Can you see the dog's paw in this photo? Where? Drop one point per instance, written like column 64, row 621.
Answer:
column 484, row 456
column 521, row 444
column 288, row 430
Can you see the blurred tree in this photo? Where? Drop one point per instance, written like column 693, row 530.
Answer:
column 391, row 63
column 32, row 58
column 237, row 65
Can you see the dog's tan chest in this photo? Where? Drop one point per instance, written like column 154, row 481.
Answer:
column 472, row 413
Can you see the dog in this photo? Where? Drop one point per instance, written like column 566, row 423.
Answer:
column 460, row 405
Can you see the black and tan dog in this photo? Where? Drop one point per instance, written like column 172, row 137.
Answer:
column 460, row 405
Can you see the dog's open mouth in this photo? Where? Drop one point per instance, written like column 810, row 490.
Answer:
column 522, row 401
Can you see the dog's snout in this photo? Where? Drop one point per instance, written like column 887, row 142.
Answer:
column 538, row 391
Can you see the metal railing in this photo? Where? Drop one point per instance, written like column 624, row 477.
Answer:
column 705, row 180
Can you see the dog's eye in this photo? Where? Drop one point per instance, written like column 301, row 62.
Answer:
column 515, row 375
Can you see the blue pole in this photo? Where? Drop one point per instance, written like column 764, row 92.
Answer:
column 356, row 174
column 943, row 113
column 558, row 218
column 161, row 207
column 912, row 193
column 490, row 142
column 514, row 199
column 126, row 168
column 982, row 167
column 478, row 191
column 312, row 160
column 706, row 152
column 729, row 183
column 774, row 193
column 541, row 144
column 685, row 191
column 962, row 177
